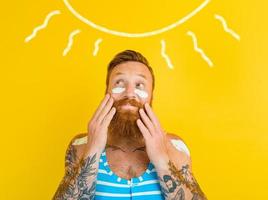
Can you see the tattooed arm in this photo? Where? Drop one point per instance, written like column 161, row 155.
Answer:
column 176, row 180
column 179, row 184
column 79, row 181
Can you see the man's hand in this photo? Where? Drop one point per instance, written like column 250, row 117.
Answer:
column 98, row 125
column 79, row 181
column 155, row 137
column 184, row 185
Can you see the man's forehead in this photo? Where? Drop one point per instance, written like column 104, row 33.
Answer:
column 137, row 74
column 132, row 68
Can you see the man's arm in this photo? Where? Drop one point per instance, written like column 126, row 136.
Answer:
column 79, row 181
column 179, row 184
column 176, row 180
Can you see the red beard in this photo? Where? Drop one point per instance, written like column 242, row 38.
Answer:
column 123, row 127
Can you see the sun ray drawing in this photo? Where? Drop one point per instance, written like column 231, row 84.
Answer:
column 97, row 43
column 199, row 50
column 225, row 26
column 165, row 56
column 70, row 41
column 43, row 26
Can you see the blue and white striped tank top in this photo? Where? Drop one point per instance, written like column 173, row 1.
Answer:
column 111, row 187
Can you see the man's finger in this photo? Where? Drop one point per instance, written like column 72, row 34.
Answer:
column 152, row 116
column 106, row 121
column 100, row 107
column 105, row 110
column 146, row 120
column 145, row 132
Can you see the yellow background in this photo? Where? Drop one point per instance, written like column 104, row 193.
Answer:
column 220, row 112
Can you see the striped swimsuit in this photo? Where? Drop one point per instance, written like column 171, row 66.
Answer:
column 111, row 187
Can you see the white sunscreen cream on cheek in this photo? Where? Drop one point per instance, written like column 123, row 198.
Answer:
column 118, row 90
column 141, row 93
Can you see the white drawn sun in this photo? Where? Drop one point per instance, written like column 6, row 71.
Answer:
column 135, row 35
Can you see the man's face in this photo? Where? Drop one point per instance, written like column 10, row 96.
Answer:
column 130, row 84
column 131, row 81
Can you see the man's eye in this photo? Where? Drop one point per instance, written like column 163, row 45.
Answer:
column 140, row 85
column 118, row 82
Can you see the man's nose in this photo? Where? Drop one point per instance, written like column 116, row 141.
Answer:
column 129, row 92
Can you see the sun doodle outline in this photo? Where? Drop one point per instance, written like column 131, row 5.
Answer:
column 135, row 35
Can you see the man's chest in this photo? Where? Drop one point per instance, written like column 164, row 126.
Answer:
column 127, row 165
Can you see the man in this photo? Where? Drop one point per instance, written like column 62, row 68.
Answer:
column 125, row 153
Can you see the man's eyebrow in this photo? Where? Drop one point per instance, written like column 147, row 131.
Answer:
column 141, row 75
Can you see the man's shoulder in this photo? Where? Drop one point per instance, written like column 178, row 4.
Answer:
column 79, row 139
column 178, row 143
column 173, row 136
column 76, row 146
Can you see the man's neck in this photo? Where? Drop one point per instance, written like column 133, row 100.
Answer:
column 125, row 149
column 125, row 144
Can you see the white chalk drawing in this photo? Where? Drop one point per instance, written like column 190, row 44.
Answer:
column 42, row 26
column 165, row 56
column 97, row 43
column 161, row 30
column 199, row 50
column 70, row 41
column 225, row 26
column 135, row 35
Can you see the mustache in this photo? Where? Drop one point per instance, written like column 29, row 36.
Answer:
column 125, row 101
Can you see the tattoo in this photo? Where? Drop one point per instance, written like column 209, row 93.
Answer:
column 79, row 181
column 188, row 179
column 87, row 170
column 170, row 187
column 178, row 178
column 180, row 194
